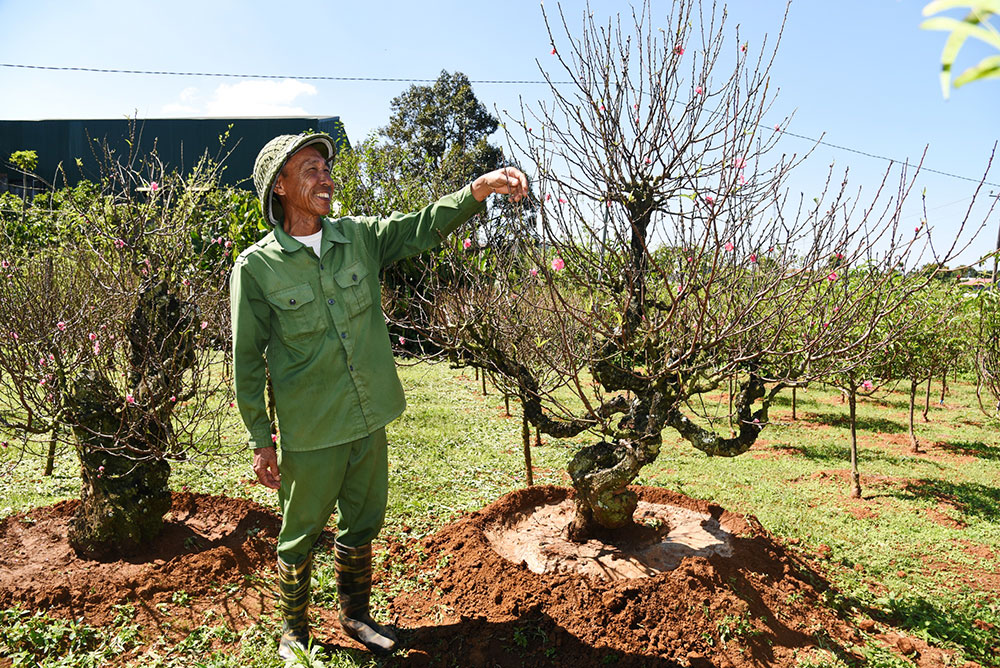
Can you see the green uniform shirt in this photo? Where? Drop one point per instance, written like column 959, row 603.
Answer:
column 319, row 321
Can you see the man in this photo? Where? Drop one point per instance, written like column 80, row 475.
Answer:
column 307, row 297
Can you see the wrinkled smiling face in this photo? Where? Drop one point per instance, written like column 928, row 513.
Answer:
column 304, row 185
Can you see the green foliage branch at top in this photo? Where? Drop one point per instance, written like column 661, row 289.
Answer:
column 976, row 24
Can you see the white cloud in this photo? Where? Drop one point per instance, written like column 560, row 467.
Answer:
column 246, row 98
column 174, row 109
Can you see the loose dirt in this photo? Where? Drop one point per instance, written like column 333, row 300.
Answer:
column 691, row 585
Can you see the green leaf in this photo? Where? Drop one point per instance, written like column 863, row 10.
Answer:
column 966, row 28
column 988, row 68
column 960, row 31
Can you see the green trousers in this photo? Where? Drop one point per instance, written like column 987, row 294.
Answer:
column 352, row 478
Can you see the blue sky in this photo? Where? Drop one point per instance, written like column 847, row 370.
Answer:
column 860, row 71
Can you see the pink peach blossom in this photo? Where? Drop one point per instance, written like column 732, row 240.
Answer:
column 739, row 163
column 61, row 326
column 709, row 200
column 753, row 257
column 679, row 50
column 204, row 324
column 154, row 186
column 92, row 336
column 129, row 398
column 553, row 51
column 867, row 386
column 729, row 246
column 119, row 243
column 173, row 399
column 274, row 438
column 832, row 276
column 533, row 272
column 558, row 264
column 402, row 341
column 698, row 90
column 467, row 244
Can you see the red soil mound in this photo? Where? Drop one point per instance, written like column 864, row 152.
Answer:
column 756, row 607
column 207, row 546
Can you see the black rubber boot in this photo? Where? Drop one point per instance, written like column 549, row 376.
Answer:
column 354, row 586
column 293, row 584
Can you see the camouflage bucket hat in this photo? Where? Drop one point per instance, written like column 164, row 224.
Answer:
column 272, row 158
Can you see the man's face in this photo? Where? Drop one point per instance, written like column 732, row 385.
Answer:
column 304, row 184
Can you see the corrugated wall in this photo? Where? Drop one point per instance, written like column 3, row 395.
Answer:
column 180, row 142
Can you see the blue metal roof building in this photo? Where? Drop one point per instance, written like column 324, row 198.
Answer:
column 179, row 142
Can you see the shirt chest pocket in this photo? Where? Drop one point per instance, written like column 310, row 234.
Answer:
column 357, row 294
column 296, row 310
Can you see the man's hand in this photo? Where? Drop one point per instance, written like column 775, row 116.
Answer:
column 508, row 181
column 265, row 465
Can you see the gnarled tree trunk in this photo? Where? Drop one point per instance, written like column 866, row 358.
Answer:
column 122, row 499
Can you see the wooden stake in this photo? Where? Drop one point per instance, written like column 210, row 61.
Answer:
column 526, row 439
column 50, row 458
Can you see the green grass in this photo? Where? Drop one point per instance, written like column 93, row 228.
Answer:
column 894, row 556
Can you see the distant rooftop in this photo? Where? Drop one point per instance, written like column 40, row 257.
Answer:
column 180, row 142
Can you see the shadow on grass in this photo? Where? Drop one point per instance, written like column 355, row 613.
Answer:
column 877, row 425
column 969, row 498
column 785, row 400
column 971, row 449
column 955, row 622
column 839, row 453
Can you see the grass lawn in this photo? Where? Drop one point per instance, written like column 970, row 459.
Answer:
column 920, row 551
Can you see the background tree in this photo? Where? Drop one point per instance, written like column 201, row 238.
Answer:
column 442, row 134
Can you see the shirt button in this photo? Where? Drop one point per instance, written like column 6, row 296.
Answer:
column 321, row 266
column 343, row 335
column 354, row 277
column 331, row 302
column 291, row 301
column 351, row 367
